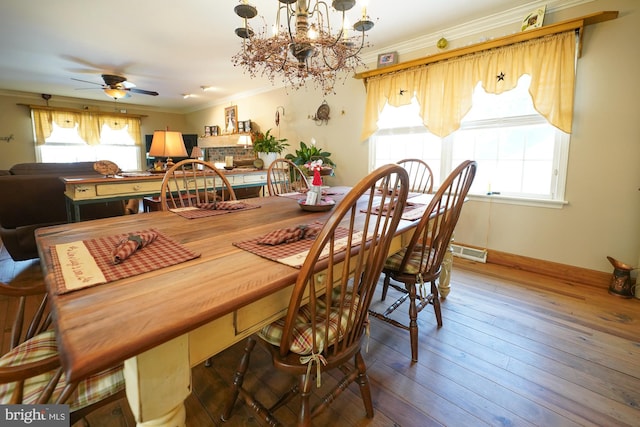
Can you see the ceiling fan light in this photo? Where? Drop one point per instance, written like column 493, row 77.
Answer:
column 115, row 93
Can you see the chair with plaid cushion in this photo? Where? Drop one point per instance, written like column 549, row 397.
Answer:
column 418, row 265
column 284, row 176
column 31, row 373
column 420, row 175
column 191, row 182
column 328, row 311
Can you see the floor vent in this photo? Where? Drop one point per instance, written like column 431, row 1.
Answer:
column 479, row 255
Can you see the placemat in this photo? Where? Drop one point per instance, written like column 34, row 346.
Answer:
column 291, row 254
column 193, row 212
column 86, row 263
column 411, row 212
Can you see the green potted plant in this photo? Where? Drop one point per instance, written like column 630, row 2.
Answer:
column 268, row 147
column 308, row 153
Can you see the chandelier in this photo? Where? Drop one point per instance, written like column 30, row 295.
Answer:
column 302, row 45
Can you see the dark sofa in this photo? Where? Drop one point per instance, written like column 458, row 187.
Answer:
column 32, row 196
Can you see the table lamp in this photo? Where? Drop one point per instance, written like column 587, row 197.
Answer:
column 245, row 140
column 197, row 153
column 167, row 144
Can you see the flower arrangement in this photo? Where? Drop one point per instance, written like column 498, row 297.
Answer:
column 315, row 166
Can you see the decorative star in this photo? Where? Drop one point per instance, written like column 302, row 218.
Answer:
column 500, row 76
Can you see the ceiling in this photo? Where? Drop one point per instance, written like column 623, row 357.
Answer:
column 176, row 47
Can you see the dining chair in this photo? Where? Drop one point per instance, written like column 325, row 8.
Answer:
column 284, row 176
column 193, row 181
column 420, row 262
column 327, row 314
column 420, row 175
column 31, row 371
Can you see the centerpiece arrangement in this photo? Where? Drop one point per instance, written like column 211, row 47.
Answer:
column 309, row 153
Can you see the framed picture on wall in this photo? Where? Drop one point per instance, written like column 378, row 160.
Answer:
column 534, row 19
column 215, row 130
column 386, row 59
column 231, row 119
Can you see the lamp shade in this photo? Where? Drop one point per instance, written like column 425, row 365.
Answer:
column 116, row 93
column 196, row 152
column 167, row 144
column 245, row 140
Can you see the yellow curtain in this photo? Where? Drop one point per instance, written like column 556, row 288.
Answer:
column 444, row 89
column 132, row 124
column 42, row 124
column 89, row 125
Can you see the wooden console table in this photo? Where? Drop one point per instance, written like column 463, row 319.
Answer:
column 80, row 190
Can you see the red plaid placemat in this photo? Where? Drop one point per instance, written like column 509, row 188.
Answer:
column 162, row 252
column 279, row 252
column 411, row 212
column 193, row 212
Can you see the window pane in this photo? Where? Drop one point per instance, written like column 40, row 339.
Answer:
column 65, row 145
column 518, row 152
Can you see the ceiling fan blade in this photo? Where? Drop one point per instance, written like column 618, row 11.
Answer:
column 142, row 91
column 87, row 81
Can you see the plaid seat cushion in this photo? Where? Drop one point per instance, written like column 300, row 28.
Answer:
column 413, row 265
column 89, row 391
column 302, row 334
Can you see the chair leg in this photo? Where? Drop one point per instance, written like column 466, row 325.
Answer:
column 238, row 379
column 436, row 303
column 304, row 417
column 363, row 382
column 385, row 286
column 413, row 321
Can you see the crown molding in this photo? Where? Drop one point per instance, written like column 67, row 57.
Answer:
column 474, row 27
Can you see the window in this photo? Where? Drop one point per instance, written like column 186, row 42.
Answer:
column 65, row 145
column 521, row 157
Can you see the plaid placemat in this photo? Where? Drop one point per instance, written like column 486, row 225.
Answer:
column 162, row 252
column 291, row 254
column 193, row 212
column 412, row 211
column 296, row 195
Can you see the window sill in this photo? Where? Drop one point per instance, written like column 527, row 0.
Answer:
column 538, row 203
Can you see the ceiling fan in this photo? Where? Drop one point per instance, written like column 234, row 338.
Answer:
column 118, row 87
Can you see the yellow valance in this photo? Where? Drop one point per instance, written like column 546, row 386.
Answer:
column 89, row 124
column 444, row 89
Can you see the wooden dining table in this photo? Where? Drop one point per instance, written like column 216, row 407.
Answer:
column 163, row 322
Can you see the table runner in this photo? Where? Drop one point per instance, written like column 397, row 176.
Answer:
column 291, row 254
column 86, row 263
column 192, row 212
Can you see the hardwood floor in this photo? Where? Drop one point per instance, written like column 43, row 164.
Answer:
column 516, row 349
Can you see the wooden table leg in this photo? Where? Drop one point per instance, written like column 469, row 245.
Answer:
column 444, row 282
column 157, row 383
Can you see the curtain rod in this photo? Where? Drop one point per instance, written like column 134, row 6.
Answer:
column 77, row 110
column 571, row 24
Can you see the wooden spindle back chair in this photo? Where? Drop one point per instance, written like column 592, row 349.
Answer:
column 31, row 371
column 420, row 175
column 420, row 262
column 284, row 176
column 190, row 182
column 328, row 310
